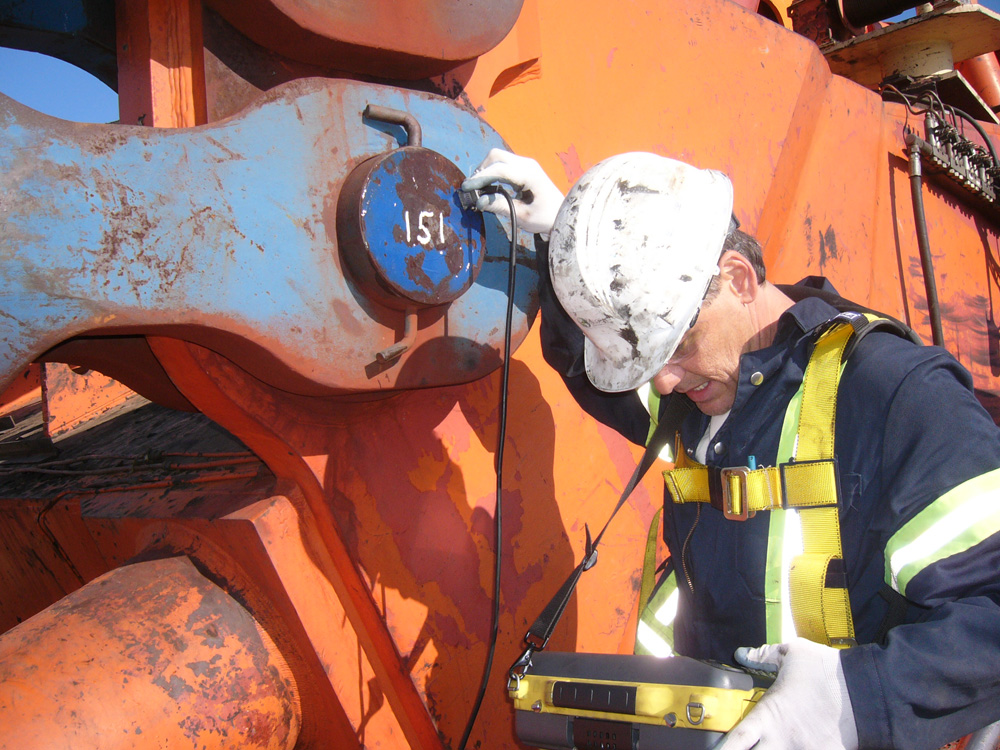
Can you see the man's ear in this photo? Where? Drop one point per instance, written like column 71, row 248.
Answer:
column 740, row 274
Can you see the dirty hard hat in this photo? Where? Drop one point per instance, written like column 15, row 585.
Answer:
column 633, row 250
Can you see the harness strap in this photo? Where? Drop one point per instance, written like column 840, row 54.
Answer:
column 541, row 630
column 649, row 561
column 740, row 492
column 809, row 484
column 821, row 608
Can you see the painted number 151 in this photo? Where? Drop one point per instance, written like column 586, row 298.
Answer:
column 425, row 227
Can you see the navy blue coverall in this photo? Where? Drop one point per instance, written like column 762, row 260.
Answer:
column 919, row 463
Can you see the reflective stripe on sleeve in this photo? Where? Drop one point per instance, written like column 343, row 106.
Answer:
column 958, row 520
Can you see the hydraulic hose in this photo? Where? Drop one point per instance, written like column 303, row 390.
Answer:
column 924, row 245
column 979, row 129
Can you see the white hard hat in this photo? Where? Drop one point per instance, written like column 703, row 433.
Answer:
column 633, row 250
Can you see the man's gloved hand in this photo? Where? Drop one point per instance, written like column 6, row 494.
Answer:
column 807, row 707
column 538, row 199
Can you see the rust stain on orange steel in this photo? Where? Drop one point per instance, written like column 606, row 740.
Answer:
column 267, row 554
column 151, row 654
column 126, row 359
column 45, row 553
column 516, row 59
column 291, row 546
column 213, row 382
column 72, row 397
column 215, row 524
column 408, row 485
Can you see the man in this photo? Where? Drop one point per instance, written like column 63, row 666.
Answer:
column 645, row 261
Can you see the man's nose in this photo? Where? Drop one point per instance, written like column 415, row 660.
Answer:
column 668, row 378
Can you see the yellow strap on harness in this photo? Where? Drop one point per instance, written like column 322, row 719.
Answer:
column 745, row 492
column 819, row 600
column 821, row 608
column 649, row 562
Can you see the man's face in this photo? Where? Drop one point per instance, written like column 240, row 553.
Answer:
column 706, row 364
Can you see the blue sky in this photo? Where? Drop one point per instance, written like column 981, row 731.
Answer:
column 63, row 90
column 55, row 87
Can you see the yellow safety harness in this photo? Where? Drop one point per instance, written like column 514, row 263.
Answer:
column 808, row 483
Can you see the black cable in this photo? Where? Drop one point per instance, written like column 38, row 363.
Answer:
column 916, row 191
column 931, row 97
column 934, row 96
column 907, row 99
column 979, row 128
column 501, row 434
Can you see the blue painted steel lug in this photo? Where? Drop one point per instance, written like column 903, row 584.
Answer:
column 226, row 235
column 403, row 232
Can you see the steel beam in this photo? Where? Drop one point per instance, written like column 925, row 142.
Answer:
column 225, row 235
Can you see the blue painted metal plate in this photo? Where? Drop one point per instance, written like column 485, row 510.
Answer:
column 424, row 248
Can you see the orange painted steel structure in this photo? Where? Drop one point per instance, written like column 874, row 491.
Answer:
column 149, row 650
column 369, row 562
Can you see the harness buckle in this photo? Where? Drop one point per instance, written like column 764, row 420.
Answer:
column 743, row 472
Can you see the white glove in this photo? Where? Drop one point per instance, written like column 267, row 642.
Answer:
column 538, row 199
column 807, row 707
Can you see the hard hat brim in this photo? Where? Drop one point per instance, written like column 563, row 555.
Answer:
column 616, row 376
column 634, row 246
